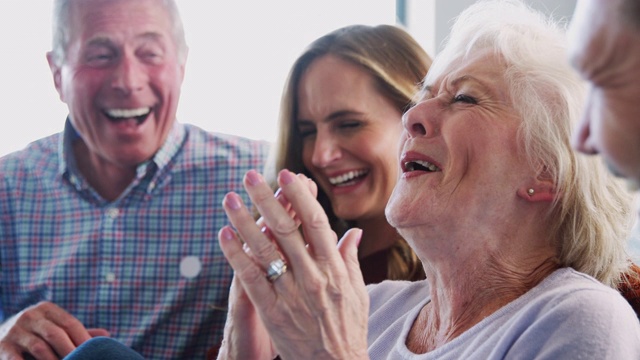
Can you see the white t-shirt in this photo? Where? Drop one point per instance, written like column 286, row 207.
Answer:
column 569, row 315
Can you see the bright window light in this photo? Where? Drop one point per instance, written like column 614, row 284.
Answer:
column 240, row 54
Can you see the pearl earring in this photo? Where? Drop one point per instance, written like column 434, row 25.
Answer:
column 530, row 192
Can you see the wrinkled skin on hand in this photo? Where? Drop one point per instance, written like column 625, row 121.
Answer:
column 318, row 309
column 43, row 331
column 245, row 337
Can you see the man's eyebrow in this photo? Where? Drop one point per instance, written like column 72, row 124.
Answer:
column 104, row 41
column 99, row 41
column 151, row 36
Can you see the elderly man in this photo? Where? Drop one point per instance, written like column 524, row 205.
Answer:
column 605, row 50
column 109, row 228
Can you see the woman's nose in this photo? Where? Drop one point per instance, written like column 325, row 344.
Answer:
column 326, row 150
column 421, row 119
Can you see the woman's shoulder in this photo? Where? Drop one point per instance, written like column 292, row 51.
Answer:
column 568, row 280
column 571, row 313
column 569, row 290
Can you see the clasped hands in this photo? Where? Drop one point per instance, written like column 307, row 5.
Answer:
column 318, row 307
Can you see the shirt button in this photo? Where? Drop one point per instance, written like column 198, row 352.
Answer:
column 190, row 267
column 113, row 213
column 110, row 277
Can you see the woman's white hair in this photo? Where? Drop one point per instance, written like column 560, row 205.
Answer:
column 591, row 216
column 60, row 23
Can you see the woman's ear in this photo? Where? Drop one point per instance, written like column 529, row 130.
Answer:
column 542, row 188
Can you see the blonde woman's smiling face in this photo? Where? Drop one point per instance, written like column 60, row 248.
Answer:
column 350, row 136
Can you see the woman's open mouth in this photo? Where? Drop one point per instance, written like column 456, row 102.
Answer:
column 348, row 178
column 419, row 165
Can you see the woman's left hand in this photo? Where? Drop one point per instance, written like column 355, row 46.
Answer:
column 318, row 307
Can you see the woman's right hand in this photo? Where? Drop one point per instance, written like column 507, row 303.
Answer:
column 308, row 292
column 245, row 337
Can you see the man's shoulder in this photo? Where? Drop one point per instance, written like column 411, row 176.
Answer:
column 205, row 145
column 40, row 154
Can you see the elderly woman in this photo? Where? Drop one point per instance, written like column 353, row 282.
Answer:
column 521, row 239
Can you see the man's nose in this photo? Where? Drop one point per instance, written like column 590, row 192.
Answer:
column 129, row 76
column 583, row 141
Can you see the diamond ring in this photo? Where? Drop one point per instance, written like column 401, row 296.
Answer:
column 276, row 269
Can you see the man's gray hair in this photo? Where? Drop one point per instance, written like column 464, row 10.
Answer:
column 61, row 15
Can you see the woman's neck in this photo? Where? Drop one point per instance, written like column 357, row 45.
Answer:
column 377, row 235
column 462, row 299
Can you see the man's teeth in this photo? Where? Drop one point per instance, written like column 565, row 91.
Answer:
column 420, row 165
column 128, row 113
column 337, row 180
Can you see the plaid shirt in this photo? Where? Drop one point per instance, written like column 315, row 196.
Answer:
column 147, row 266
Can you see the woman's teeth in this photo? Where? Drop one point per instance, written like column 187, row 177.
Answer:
column 347, row 177
column 420, row 165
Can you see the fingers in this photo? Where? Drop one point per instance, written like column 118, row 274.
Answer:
column 282, row 199
column 286, row 205
column 245, row 336
column 278, row 216
column 44, row 330
column 262, row 249
column 318, row 277
column 317, row 231
column 282, row 228
column 98, row 332
column 296, row 196
column 348, row 249
column 250, row 274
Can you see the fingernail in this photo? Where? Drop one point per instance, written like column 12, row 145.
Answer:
column 359, row 237
column 286, row 177
column 253, row 178
column 226, row 233
column 232, row 201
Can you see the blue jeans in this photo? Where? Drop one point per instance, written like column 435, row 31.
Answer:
column 103, row 348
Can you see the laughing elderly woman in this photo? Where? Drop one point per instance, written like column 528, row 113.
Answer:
column 521, row 239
